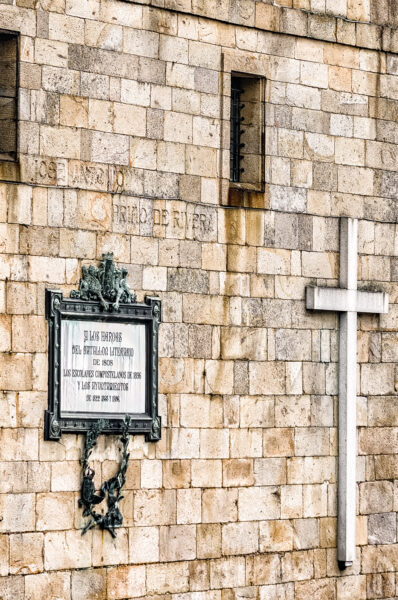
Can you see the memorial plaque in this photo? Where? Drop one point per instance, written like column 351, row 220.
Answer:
column 102, row 356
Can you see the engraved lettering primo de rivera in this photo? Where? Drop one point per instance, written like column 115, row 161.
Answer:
column 132, row 215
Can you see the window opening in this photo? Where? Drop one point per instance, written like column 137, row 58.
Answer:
column 247, row 131
column 8, row 95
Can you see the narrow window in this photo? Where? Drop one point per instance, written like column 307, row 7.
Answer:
column 247, row 132
column 8, row 95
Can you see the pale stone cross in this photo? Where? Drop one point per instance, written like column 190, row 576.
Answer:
column 348, row 302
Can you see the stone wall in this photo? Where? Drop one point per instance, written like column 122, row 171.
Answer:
column 122, row 147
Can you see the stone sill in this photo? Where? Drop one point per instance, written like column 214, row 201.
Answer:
column 290, row 21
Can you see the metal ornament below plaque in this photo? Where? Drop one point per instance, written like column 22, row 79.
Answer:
column 103, row 356
column 111, row 488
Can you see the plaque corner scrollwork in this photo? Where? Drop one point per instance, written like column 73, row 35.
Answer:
column 53, row 303
column 156, row 430
column 52, row 426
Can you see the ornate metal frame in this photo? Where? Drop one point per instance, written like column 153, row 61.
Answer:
column 148, row 313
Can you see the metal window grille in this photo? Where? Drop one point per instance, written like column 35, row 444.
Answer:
column 236, row 131
column 8, row 95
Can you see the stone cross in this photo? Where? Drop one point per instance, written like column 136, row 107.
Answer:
column 347, row 301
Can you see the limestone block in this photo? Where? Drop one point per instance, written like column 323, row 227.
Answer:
column 26, row 553
column 65, row 476
column 143, row 544
column 184, row 443
column 63, row 142
column 358, row 10
column 243, row 343
column 177, row 542
column 381, row 411
column 126, row 581
column 381, row 584
column 269, row 471
column 322, row 589
column 219, row 505
column 351, row 179
column 200, row 341
column 206, row 80
column 105, row 551
column 264, row 569
column 377, row 378
column 206, row 132
column 213, row 257
column 294, row 377
column 200, row 411
column 19, row 200
column 54, row 511
column 314, row 378
column 287, row 199
column 227, row 572
column 297, row 566
column 89, row 584
column 209, row 540
column 380, row 559
column 18, row 444
column 95, row 86
column 5, row 333
column 349, row 587
column 31, row 406
column 342, row 125
column 188, row 506
column 322, row 27
column 258, row 503
column 46, row 269
column 278, row 442
column 382, row 528
column 214, row 443
column 256, row 411
column 310, row 441
column 18, row 512
column 292, row 410
column 100, row 35
column 267, row 378
column 375, row 497
column 219, row 377
column 151, row 474
column 291, row 501
column 238, row 472
column 239, row 538
column 155, row 507
column 315, row 500
column 167, row 578
column 201, row 161
column 246, row 443
column 206, row 473
column 60, row 80
column 38, row 476
column 380, row 440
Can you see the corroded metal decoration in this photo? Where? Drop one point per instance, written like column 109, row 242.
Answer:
column 103, row 356
column 107, row 283
column 111, row 489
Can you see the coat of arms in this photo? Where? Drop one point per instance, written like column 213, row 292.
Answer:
column 105, row 283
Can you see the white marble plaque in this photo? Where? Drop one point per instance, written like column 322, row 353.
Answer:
column 102, row 368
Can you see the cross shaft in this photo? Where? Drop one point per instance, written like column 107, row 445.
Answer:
column 347, row 301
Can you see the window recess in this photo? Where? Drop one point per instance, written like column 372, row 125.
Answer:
column 8, row 95
column 247, row 132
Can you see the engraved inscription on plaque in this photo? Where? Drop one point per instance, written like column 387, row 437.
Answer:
column 103, row 356
column 102, row 368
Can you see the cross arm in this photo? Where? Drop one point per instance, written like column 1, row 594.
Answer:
column 342, row 300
